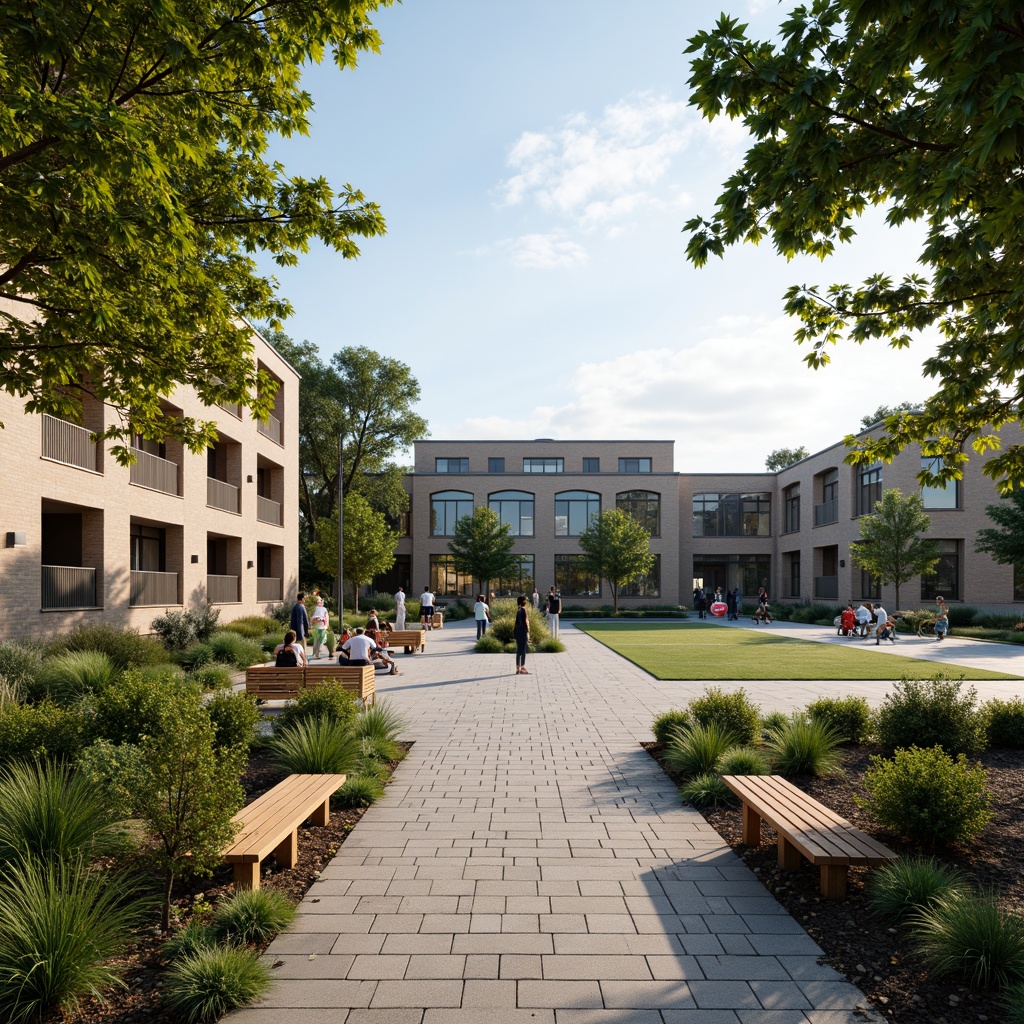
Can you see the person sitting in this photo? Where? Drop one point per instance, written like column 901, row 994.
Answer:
column 848, row 620
column 360, row 649
column 887, row 630
column 763, row 612
column 863, row 618
column 290, row 654
column 372, row 622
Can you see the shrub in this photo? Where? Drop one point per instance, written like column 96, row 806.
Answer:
column 235, row 650
column 136, row 706
column 960, row 615
column 234, row 717
column 668, row 722
column 930, row 713
column 328, row 701
column 706, row 790
column 488, row 644
column 1013, row 1005
column 63, row 928
column 503, row 629
column 1004, row 723
column 698, row 749
column 163, row 672
column 971, row 937
column 124, row 647
column 206, row 985
column 772, row 722
column 381, row 601
column 175, row 629
column 69, row 676
column 252, row 627
column 253, row 916
column 316, row 746
column 19, row 664
column 732, row 712
column 910, row 884
column 211, row 677
column 849, row 717
column 269, row 641
column 193, row 938
column 802, row 747
column 39, row 730
column 925, row 796
column 551, row 646
column 359, row 791
column 741, row 760
column 195, row 657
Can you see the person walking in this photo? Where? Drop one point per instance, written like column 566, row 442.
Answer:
column 427, row 609
column 482, row 614
column 554, row 609
column 522, row 635
column 299, row 621
column 320, row 621
column 400, row 609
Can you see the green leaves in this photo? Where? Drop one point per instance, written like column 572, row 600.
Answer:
column 483, row 547
column 616, row 548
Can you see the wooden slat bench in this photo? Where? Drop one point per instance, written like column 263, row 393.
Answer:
column 270, row 824
column 268, row 682
column 359, row 680
column 411, row 639
column 805, row 828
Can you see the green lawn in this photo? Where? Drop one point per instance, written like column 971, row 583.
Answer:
column 706, row 651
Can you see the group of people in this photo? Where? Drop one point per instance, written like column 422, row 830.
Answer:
column 859, row 622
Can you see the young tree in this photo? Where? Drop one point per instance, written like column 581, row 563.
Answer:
column 616, row 548
column 890, row 545
column 483, row 547
column 783, row 457
column 368, row 544
column 859, row 104
column 1006, row 544
column 135, row 185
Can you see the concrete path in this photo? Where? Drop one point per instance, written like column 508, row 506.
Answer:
column 530, row 863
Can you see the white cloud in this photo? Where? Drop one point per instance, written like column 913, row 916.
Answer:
column 544, row 252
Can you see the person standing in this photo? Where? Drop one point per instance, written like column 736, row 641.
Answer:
column 554, row 609
column 299, row 621
column 536, row 598
column 320, row 621
column 482, row 614
column 427, row 609
column 730, row 606
column 700, row 601
column 522, row 635
column 400, row 609
column 737, row 604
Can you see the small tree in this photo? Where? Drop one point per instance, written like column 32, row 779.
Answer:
column 783, row 457
column 482, row 547
column 890, row 545
column 616, row 548
column 883, row 412
column 1005, row 545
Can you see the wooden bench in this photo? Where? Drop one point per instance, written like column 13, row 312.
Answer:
column 806, row 828
column 268, row 682
column 270, row 824
column 410, row 639
column 359, row 680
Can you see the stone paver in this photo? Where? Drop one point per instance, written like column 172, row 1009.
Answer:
column 530, row 862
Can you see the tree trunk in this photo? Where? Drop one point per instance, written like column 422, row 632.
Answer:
column 615, row 597
column 165, row 917
column 897, row 597
column 355, row 598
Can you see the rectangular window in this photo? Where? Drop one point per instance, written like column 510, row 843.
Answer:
column 571, row 581
column 634, row 465
column 446, row 509
column 939, row 496
column 748, row 572
column 575, row 511
column 591, row 465
column 495, row 465
column 944, row 579
column 451, row 465
column 522, row 582
column 1018, row 583
column 543, row 465
column 732, row 515
column 648, row 585
column 794, row 574
column 791, row 496
column 445, row 581
column 869, row 489
column 148, row 548
column 870, row 586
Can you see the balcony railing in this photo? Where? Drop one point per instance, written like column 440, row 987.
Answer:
column 271, row 429
column 268, row 511
column 268, row 588
column 155, row 473
column 153, row 588
column 235, row 410
column 827, row 512
column 68, row 586
column 826, row 588
column 222, row 589
column 68, row 443
column 221, row 495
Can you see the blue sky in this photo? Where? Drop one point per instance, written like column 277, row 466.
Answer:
column 536, row 162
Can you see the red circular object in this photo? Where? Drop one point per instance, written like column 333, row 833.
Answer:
column 719, row 608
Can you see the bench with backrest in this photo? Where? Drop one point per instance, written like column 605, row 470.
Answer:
column 268, row 682
column 805, row 828
column 410, row 639
column 359, row 680
column 270, row 824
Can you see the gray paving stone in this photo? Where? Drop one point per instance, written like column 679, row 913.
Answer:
column 647, row 994
column 713, row 995
column 555, row 994
column 417, row 993
column 780, row 995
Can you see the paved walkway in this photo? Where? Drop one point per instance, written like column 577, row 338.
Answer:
column 530, row 863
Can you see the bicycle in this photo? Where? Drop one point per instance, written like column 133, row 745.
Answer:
column 926, row 628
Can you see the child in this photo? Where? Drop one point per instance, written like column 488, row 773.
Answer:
column 941, row 623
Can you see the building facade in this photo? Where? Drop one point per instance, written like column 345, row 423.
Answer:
column 84, row 540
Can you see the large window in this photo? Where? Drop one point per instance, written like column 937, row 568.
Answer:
column 647, row 585
column 451, row 465
column 869, row 489
column 748, row 572
column 446, row 509
column 571, row 581
column 445, row 581
column 793, row 558
column 522, row 582
column 828, row 511
column 644, row 507
column 516, row 509
column 939, row 497
column 944, row 579
column 148, row 548
column 574, row 512
column 543, row 465
column 870, row 586
column 791, row 500
column 634, row 465
column 732, row 515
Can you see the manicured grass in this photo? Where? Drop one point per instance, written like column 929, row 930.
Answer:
column 707, row 651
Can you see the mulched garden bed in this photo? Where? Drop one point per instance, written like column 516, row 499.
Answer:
column 143, row 965
column 870, row 954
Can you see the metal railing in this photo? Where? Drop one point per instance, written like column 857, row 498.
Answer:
column 234, row 409
column 153, row 588
column 268, row 511
column 68, row 443
column 268, row 588
column 271, row 429
column 222, row 589
column 827, row 512
column 68, row 586
column 826, row 587
column 155, row 473
column 221, row 495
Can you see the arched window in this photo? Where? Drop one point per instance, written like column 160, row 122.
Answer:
column 514, row 508
column 644, row 507
column 446, row 509
column 574, row 512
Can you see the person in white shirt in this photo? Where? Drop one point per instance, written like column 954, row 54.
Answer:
column 863, row 619
column 400, row 609
column 482, row 613
column 359, row 648
column 884, row 627
column 319, row 621
column 427, row 608
column 291, row 649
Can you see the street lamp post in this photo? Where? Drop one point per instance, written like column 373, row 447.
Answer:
column 341, row 533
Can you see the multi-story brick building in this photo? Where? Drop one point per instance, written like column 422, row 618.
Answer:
column 86, row 540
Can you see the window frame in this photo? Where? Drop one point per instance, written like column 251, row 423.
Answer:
column 644, row 465
column 448, row 471
column 590, row 498
column 928, row 462
column 520, row 498
column 495, row 464
column 548, row 464
column 625, row 499
column 463, row 498
column 564, row 573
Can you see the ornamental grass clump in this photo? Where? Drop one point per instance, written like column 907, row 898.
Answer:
column 732, row 712
column 742, row 760
column 204, row 986
column 928, row 713
column 928, row 797
column 253, row 917
column 316, row 746
column 488, row 644
column 706, row 790
column 69, row 676
column 1012, row 1004
column 802, row 747
column 192, row 939
column 697, row 750
column 910, row 884
column 330, row 701
column 849, row 717
column 359, row 791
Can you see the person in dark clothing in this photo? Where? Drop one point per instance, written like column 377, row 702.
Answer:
column 299, row 621
column 700, row 602
column 730, row 605
column 522, row 635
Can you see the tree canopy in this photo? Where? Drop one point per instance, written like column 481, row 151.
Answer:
column 884, row 412
column 135, row 188
column 615, row 548
column 483, row 547
column 1005, row 544
column 891, row 547
column 783, row 457
column 911, row 107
